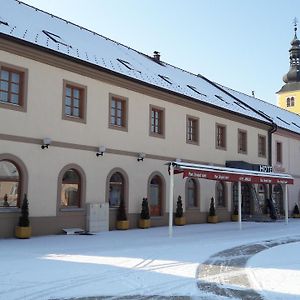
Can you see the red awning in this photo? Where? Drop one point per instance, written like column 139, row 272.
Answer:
column 230, row 174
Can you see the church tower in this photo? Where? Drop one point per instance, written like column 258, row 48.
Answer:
column 289, row 94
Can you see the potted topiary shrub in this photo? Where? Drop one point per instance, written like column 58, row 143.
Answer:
column 23, row 230
column 122, row 221
column 235, row 214
column 179, row 217
column 296, row 213
column 212, row 217
column 144, row 221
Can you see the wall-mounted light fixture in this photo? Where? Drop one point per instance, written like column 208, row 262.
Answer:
column 141, row 156
column 101, row 151
column 46, row 143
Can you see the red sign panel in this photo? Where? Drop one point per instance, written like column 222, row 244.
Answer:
column 234, row 177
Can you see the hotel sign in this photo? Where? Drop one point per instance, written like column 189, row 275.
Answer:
column 265, row 168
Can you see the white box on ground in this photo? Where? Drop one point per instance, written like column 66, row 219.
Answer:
column 97, row 217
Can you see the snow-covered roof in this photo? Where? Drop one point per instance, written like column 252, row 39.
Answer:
column 281, row 117
column 21, row 21
column 31, row 25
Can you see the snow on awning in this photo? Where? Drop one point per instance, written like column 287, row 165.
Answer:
column 230, row 174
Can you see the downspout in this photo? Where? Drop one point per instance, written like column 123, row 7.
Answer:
column 270, row 143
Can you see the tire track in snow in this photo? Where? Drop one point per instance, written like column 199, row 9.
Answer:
column 224, row 273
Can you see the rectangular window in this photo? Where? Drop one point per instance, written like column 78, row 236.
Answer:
column 118, row 112
column 157, row 121
column 279, row 152
column 242, row 141
column 192, row 130
column 13, row 84
column 74, row 102
column 262, row 152
column 220, row 136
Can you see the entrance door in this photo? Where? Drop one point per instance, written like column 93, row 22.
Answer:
column 246, row 198
column 155, row 196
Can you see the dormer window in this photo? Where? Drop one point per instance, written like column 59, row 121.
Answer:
column 125, row 63
column 221, row 98
column 56, row 38
column 240, row 105
column 283, row 120
column 3, row 22
column 194, row 89
column 166, row 79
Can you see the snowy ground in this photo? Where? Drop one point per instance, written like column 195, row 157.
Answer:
column 147, row 262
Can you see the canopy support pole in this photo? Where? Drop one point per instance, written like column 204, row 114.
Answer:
column 286, row 207
column 171, row 196
column 240, row 204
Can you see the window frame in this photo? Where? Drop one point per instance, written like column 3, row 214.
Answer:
column 161, row 111
column 83, row 102
column 23, row 180
column 290, row 101
column 279, row 154
column 78, row 183
column 196, row 120
column 224, row 128
column 260, row 147
column 242, row 141
column 23, row 72
column 18, row 181
column 126, row 187
column 124, row 103
column 82, row 190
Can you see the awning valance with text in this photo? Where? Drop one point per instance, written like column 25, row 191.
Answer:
column 230, row 174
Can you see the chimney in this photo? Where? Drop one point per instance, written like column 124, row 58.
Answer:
column 156, row 55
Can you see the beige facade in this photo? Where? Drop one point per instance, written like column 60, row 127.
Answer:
column 88, row 124
column 290, row 161
column 75, row 144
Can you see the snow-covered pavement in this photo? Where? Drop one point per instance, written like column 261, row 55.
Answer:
column 148, row 262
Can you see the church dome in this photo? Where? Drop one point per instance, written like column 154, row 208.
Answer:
column 293, row 75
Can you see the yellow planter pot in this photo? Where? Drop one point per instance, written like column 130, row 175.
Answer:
column 123, row 225
column 180, row 221
column 212, row 219
column 144, row 223
column 234, row 218
column 23, row 232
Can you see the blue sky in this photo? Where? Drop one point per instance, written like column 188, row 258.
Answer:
column 242, row 44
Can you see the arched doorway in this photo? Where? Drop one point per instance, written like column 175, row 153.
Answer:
column 191, row 193
column 246, row 198
column 155, row 196
column 278, row 198
column 116, row 190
